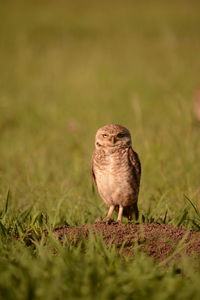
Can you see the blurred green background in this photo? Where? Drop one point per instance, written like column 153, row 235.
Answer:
column 69, row 67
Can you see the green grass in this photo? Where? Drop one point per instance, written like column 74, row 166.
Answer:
column 67, row 68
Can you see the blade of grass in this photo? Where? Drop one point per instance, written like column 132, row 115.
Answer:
column 8, row 197
column 195, row 209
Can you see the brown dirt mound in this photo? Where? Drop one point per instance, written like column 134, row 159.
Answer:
column 159, row 241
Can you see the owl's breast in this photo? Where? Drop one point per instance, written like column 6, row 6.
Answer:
column 115, row 180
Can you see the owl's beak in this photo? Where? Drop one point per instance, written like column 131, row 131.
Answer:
column 112, row 139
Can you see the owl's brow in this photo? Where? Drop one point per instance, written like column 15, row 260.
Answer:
column 123, row 132
column 114, row 133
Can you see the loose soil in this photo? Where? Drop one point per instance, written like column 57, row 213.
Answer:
column 159, row 241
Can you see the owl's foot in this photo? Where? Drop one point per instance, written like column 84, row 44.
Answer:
column 119, row 222
column 108, row 221
column 98, row 220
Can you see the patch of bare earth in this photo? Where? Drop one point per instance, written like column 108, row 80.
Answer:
column 159, row 241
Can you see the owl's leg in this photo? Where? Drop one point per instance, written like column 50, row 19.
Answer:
column 120, row 214
column 108, row 218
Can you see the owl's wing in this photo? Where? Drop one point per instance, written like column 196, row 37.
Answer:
column 135, row 162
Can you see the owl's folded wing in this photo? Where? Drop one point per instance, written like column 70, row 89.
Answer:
column 135, row 162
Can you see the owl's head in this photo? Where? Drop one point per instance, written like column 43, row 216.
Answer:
column 112, row 136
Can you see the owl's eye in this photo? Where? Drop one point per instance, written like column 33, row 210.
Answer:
column 105, row 135
column 121, row 135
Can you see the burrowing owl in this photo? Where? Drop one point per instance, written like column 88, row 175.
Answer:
column 116, row 171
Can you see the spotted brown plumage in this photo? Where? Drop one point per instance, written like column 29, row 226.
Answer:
column 116, row 171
